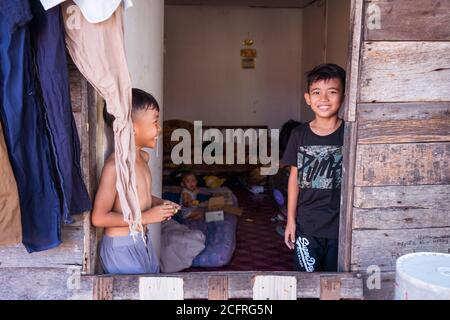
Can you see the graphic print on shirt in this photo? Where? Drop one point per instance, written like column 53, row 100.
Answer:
column 304, row 259
column 319, row 167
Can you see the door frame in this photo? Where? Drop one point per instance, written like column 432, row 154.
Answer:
column 350, row 135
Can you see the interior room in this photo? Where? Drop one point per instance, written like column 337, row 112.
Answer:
column 240, row 65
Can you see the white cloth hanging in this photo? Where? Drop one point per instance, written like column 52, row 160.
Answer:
column 94, row 11
column 48, row 4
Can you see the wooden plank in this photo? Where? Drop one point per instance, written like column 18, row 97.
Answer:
column 383, row 247
column 405, row 71
column 403, row 164
column 88, row 156
column 408, row 20
column 349, row 115
column 240, row 284
column 347, row 189
column 84, row 132
column 353, row 62
column 403, row 122
column 403, row 111
column 218, row 288
column 382, row 132
column 403, row 197
column 386, row 291
column 330, row 288
column 399, row 218
column 401, row 207
column 103, row 288
column 44, row 284
column 84, row 101
column 69, row 252
column 161, row 288
column 65, row 284
column 78, row 122
column 102, row 134
column 75, row 79
column 275, row 288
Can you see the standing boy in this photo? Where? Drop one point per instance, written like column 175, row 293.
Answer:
column 314, row 152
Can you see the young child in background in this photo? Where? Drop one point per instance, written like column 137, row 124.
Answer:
column 191, row 197
column 189, row 191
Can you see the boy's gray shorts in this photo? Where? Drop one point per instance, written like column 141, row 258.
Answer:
column 124, row 255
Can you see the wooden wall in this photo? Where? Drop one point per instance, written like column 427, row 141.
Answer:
column 53, row 268
column 400, row 129
column 396, row 194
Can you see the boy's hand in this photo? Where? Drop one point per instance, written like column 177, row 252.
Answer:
column 159, row 213
column 289, row 235
column 176, row 206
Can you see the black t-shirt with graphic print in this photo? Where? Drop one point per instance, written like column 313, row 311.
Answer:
column 319, row 163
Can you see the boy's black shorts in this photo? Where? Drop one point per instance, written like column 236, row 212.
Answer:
column 315, row 254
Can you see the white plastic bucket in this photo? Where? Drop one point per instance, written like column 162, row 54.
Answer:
column 423, row 276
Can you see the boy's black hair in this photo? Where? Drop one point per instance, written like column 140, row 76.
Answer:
column 140, row 101
column 325, row 72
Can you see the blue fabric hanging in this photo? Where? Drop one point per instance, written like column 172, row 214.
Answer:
column 47, row 34
column 26, row 132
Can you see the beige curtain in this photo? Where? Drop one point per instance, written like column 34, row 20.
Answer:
column 98, row 50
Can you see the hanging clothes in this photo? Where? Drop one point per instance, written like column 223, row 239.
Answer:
column 48, row 4
column 100, row 10
column 25, row 130
column 47, row 34
column 99, row 53
column 93, row 11
column 10, row 225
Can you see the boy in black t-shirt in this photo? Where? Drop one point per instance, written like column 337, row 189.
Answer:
column 314, row 152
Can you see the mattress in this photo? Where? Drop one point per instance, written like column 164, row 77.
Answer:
column 220, row 236
column 220, row 241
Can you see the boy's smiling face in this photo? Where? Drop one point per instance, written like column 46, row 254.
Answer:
column 325, row 97
column 146, row 128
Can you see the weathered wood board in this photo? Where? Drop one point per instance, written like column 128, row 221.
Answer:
column 21, row 283
column 403, row 164
column 161, row 288
column 407, row 20
column 348, row 112
column 84, row 101
column 347, row 189
column 78, row 121
column 373, row 112
column 400, row 218
column 44, row 284
column 398, row 207
column 76, row 82
column 418, row 197
column 240, row 284
column 383, row 247
column 68, row 253
column 218, row 288
column 386, row 290
column 275, row 288
column 405, row 72
column 403, row 122
column 407, row 131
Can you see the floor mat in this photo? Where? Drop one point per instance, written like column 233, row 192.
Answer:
column 258, row 246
